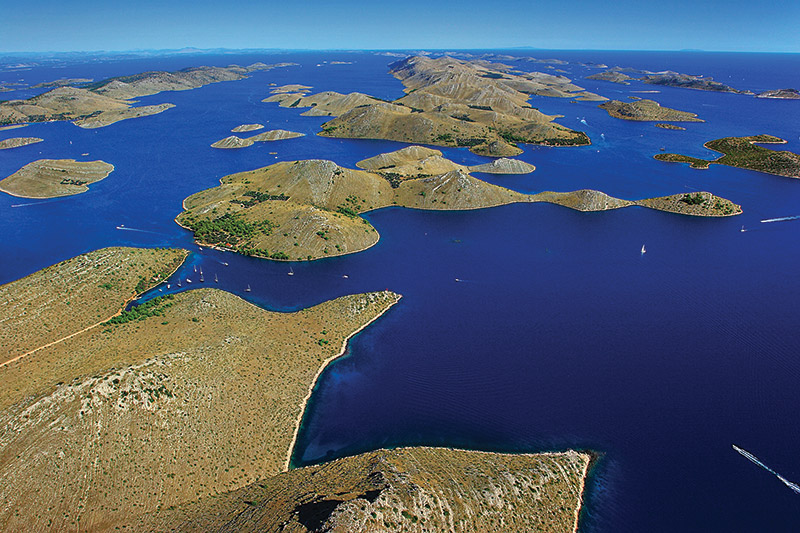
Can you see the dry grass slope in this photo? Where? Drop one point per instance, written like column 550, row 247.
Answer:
column 51, row 178
column 114, row 423
column 69, row 296
column 646, row 111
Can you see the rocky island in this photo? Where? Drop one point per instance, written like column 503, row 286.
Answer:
column 106, row 102
column 784, row 94
column 16, row 142
column 667, row 78
column 234, row 141
column 303, row 210
column 50, row 178
column 247, row 127
column 744, row 152
column 646, row 111
column 450, row 102
column 157, row 410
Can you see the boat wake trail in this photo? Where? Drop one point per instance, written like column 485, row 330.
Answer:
column 38, row 203
column 139, row 230
column 781, row 219
column 794, row 486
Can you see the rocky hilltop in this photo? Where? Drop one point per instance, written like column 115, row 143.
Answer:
column 311, row 209
column 450, row 102
column 646, row 110
column 406, row 489
column 50, row 178
column 504, row 166
column 744, row 152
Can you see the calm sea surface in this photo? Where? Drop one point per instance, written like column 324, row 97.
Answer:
column 559, row 334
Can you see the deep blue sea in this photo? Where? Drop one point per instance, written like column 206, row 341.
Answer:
column 559, row 335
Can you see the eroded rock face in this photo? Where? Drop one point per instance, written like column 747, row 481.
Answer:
column 407, row 489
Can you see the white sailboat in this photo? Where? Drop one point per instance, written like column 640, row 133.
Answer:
column 643, row 250
column 247, row 289
column 201, row 275
column 291, row 272
column 216, row 279
column 742, row 230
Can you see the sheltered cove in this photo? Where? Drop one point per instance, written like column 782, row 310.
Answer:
column 157, row 407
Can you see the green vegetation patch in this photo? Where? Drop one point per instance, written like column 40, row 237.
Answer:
column 743, row 152
column 229, row 229
column 154, row 307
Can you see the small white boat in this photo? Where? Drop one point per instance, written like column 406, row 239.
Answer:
column 224, row 263
column 345, row 276
column 179, row 283
column 168, row 285
column 643, row 250
column 188, row 280
column 195, row 269
column 216, row 279
column 247, row 289
column 291, row 272
column 742, row 230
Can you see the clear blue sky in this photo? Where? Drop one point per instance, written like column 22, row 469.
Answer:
column 69, row 25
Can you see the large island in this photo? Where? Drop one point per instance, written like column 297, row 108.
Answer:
column 450, row 102
column 303, row 210
column 744, row 152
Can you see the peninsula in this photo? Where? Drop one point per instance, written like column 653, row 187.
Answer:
column 646, row 111
column 744, row 152
column 50, row 178
column 450, row 102
column 102, row 103
column 154, row 418
column 304, row 210
column 16, row 142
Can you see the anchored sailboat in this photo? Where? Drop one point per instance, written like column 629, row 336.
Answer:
column 643, row 250
column 247, row 289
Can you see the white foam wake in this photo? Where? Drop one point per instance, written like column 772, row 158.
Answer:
column 794, row 486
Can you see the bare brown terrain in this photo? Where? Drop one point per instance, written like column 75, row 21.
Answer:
column 450, row 102
column 69, row 296
column 16, row 142
column 51, row 178
column 303, row 210
column 201, row 397
column 646, row 110
column 106, row 102
column 406, row 489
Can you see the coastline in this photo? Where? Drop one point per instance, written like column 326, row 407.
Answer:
column 322, row 367
column 118, row 313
